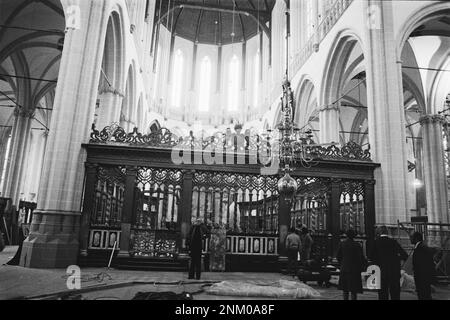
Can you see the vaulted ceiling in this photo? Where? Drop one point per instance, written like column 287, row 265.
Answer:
column 217, row 22
column 31, row 40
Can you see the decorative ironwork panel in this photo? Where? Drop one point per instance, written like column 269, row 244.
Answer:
column 155, row 244
column 243, row 203
column 352, row 207
column 228, row 142
column 156, row 209
column 157, row 198
column 109, row 197
column 310, row 207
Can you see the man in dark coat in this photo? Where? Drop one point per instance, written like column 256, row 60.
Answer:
column 388, row 255
column 423, row 266
column 353, row 263
column 195, row 244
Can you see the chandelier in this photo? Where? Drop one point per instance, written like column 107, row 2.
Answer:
column 295, row 144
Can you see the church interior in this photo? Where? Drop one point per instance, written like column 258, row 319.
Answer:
column 122, row 122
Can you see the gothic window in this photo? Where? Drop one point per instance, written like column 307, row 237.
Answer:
column 177, row 77
column 233, row 84
column 257, row 78
column 205, row 84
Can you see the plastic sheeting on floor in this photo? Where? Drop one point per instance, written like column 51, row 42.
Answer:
column 281, row 289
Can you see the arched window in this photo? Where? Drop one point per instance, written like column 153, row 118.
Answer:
column 205, row 84
column 233, row 84
column 257, row 78
column 177, row 77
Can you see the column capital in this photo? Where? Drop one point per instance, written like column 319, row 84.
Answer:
column 106, row 88
column 25, row 113
column 431, row 118
column 333, row 107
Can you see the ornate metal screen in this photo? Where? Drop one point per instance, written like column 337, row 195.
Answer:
column 109, row 196
column 352, row 207
column 310, row 207
column 156, row 208
column 244, row 203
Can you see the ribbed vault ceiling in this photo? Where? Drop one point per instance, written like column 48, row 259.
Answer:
column 31, row 39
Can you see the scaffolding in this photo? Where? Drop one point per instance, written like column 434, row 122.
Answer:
column 437, row 237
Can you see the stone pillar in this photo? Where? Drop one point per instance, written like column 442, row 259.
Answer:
column 386, row 116
column 111, row 100
column 434, row 168
column 54, row 236
column 4, row 138
column 329, row 125
column 33, row 167
column 315, row 12
column 18, row 151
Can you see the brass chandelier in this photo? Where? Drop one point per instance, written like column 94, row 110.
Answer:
column 294, row 143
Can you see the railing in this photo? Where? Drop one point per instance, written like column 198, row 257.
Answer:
column 333, row 16
column 259, row 147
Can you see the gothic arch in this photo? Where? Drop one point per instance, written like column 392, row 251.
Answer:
column 336, row 67
column 419, row 17
column 113, row 64
column 306, row 99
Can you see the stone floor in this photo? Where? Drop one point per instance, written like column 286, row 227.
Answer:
column 17, row 282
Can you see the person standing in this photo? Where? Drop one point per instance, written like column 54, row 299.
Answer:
column 423, row 266
column 388, row 255
column 293, row 245
column 353, row 262
column 196, row 236
column 307, row 242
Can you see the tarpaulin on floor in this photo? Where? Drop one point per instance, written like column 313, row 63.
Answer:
column 281, row 289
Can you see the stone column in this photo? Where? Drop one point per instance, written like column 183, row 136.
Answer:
column 315, row 12
column 434, row 168
column 4, row 138
column 53, row 241
column 329, row 124
column 111, row 100
column 33, row 165
column 18, row 151
column 386, row 116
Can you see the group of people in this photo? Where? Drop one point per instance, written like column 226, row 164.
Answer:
column 298, row 244
column 388, row 255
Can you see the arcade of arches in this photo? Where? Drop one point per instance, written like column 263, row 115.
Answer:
column 372, row 74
